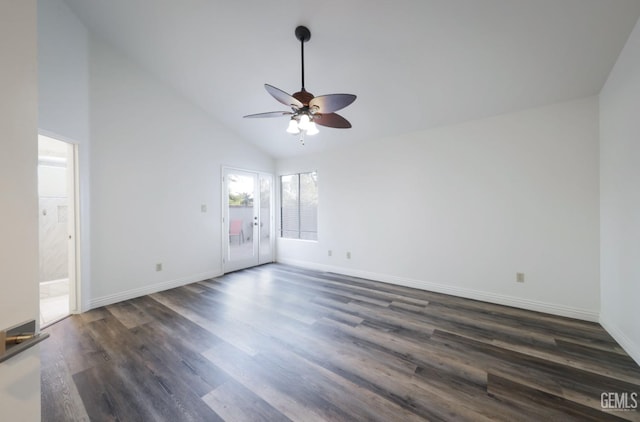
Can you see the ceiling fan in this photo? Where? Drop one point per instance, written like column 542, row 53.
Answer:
column 306, row 109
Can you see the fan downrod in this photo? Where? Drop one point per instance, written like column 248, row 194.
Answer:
column 303, row 34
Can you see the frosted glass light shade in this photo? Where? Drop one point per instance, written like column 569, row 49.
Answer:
column 312, row 129
column 293, row 127
column 303, row 124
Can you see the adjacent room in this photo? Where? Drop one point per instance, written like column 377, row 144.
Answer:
column 330, row 211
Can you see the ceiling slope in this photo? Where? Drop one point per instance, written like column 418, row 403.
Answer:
column 414, row 64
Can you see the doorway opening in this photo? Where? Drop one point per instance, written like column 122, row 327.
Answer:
column 247, row 219
column 56, row 227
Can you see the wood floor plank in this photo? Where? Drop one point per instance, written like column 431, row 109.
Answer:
column 233, row 402
column 245, row 339
column 61, row 400
column 175, row 327
column 138, row 381
column 358, row 402
column 414, row 352
column 107, row 398
column 387, row 375
column 191, row 367
column 247, row 373
column 278, row 342
column 128, row 314
column 539, row 374
column 81, row 351
column 374, row 314
column 544, row 406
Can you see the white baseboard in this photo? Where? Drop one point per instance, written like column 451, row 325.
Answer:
column 623, row 340
column 149, row 289
column 516, row 302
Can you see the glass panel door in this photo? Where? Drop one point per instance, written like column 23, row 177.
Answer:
column 248, row 219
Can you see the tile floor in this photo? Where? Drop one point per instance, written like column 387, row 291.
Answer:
column 54, row 301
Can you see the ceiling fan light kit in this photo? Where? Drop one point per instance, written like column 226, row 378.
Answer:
column 307, row 111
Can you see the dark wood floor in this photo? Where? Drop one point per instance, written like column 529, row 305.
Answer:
column 278, row 343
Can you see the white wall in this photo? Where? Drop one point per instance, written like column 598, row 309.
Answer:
column 63, row 77
column 156, row 158
column 620, row 198
column 20, row 375
column 461, row 209
column 63, row 104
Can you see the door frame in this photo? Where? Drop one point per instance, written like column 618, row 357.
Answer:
column 74, row 227
column 224, row 219
column 74, row 258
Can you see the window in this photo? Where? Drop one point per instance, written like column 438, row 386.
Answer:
column 299, row 206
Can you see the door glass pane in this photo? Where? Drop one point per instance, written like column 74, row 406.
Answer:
column 289, row 214
column 265, row 217
column 241, row 190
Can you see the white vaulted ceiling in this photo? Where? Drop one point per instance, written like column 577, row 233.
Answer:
column 414, row 64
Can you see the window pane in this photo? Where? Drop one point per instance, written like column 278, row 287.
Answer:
column 299, row 207
column 290, row 218
column 308, row 206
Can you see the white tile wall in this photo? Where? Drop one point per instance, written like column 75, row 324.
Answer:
column 53, row 238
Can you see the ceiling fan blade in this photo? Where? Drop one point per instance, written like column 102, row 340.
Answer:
column 332, row 102
column 282, row 96
column 331, row 120
column 269, row 114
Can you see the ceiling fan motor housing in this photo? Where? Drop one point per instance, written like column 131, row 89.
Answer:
column 303, row 96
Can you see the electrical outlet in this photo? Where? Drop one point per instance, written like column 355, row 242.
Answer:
column 159, row 266
column 348, row 255
column 330, row 253
column 520, row 277
column 203, row 208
